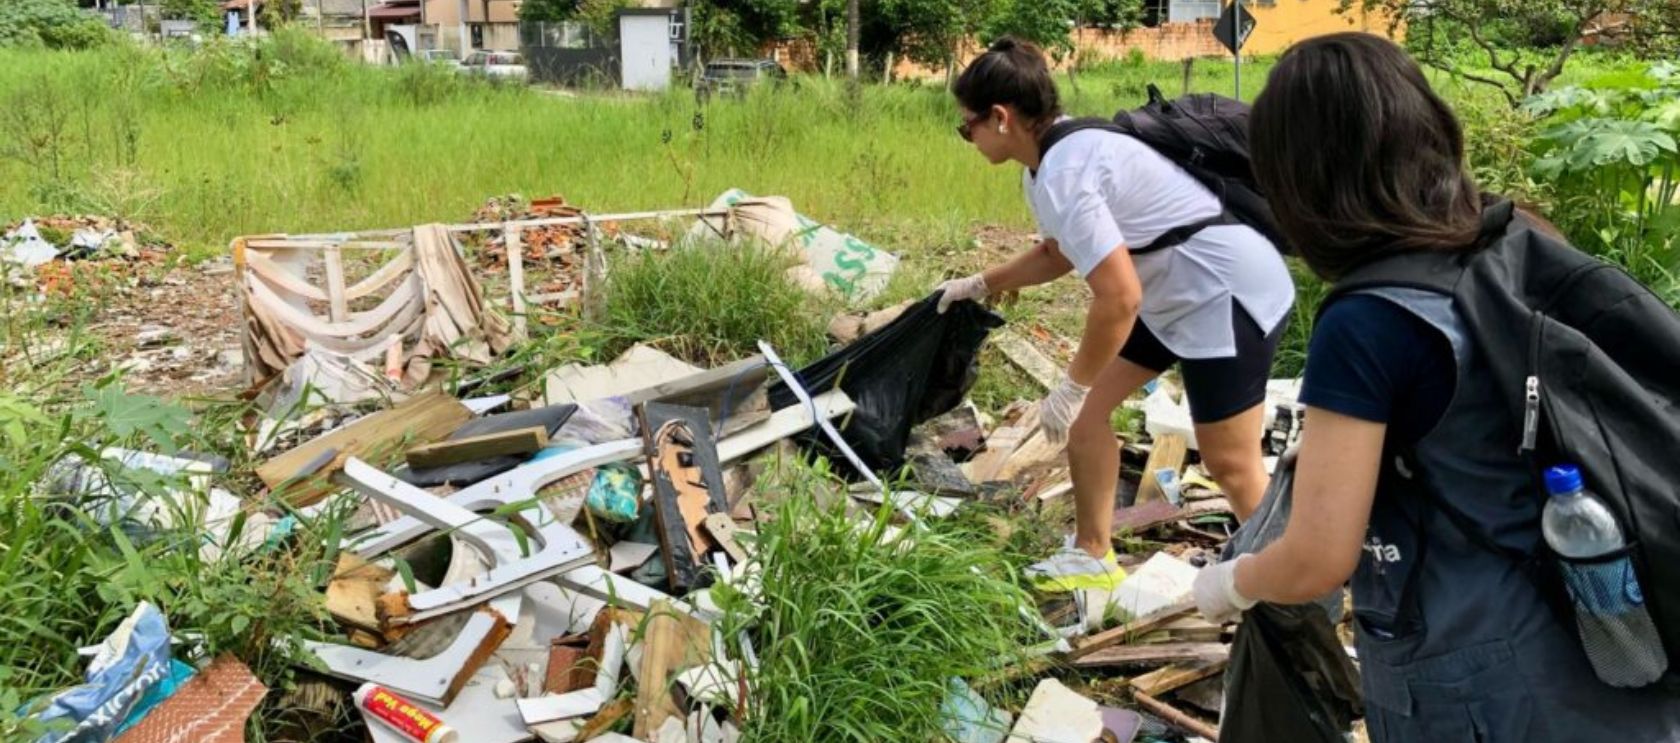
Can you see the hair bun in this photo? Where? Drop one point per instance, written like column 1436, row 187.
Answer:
column 1005, row 44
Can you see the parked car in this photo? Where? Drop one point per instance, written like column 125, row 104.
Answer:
column 499, row 65
column 737, row 76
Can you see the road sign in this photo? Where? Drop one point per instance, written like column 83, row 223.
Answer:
column 1227, row 21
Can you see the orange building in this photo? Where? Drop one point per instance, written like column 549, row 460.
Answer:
column 1183, row 29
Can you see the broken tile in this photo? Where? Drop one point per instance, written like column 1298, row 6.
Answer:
column 1056, row 713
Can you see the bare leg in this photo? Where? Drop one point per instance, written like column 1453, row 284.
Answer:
column 1231, row 450
column 1094, row 455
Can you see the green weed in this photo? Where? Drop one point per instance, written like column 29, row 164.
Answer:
column 712, row 302
column 860, row 629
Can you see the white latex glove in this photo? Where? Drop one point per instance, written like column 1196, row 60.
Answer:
column 1060, row 407
column 957, row 290
column 1216, row 592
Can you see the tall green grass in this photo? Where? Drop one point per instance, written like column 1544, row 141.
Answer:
column 711, row 302
column 859, row 628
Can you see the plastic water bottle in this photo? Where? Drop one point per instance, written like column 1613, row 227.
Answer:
column 1610, row 614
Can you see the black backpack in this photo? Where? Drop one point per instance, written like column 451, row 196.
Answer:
column 1588, row 362
column 1207, row 136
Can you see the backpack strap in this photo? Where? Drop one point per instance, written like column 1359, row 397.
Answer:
column 1171, row 238
column 1430, row 271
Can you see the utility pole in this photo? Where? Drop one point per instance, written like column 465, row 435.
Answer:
column 1236, row 54
column 852, row 33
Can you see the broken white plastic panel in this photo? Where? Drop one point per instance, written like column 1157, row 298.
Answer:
column 425, row 679
column 561, row 548
column 519, row 485
column 595, row 582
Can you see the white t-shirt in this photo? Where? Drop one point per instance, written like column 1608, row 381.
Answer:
column 1096, row 191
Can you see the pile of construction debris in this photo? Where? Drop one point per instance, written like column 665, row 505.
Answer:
column 540, row 566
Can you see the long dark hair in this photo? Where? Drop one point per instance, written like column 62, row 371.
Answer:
column 1013, row 73
column 1359, row 157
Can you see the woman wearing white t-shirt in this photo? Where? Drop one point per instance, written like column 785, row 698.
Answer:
column 1215, row 304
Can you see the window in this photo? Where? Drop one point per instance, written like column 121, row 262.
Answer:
column 1185, row 11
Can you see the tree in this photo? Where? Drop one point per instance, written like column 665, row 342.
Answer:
column 55, row 24
column 1517, row 46
column 208, row 13
column 742, row 26
column 548, row 10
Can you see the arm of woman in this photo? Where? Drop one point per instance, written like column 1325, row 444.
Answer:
column 1040, row 265
column 1116, row 295
column 1335, row 483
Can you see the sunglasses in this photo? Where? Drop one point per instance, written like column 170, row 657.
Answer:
column 966, row 129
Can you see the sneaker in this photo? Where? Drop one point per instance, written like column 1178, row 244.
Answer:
column 1072, row 569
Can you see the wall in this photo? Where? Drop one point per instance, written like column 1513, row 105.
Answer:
column 1278, row 24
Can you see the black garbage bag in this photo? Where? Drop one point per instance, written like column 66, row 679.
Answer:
column 1289, row 679
column 917, row 367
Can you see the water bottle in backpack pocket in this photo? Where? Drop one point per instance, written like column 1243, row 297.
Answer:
column 1614, row 624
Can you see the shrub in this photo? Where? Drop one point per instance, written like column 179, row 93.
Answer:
column 54, row 24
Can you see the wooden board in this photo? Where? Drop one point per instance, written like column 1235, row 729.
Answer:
column 687, row 487
column 1167, row 452
column 1021, row 352
column 1168, row 652
column 1167, row 712
column 1174, row 677
column 671, row 641
column 1145, row 516
column 423, row 418
column 476, row 448
column 354, row 591
column 1131, row 630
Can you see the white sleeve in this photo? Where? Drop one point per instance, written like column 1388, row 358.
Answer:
column 1074, row 209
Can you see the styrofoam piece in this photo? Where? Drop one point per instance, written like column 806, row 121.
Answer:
column 1163, row 415
column 1161, row 582
column 1056, row 713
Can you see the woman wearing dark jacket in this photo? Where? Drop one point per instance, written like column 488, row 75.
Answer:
column 1360, row 159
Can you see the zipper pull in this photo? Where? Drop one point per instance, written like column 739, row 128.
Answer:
column 1531, row 415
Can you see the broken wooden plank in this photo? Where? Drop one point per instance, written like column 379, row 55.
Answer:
column 354, row 591
column 1132, row 629
column 1166, row 452
column 1021, row 352
column 513, row 242
column 337, row 298
column 422, row 418
column 1167, row 712
column 671, row 641
column 1171, row 678
column 1145, row 516
column 475, row 448
column 687, row 487
column 1167, row 652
